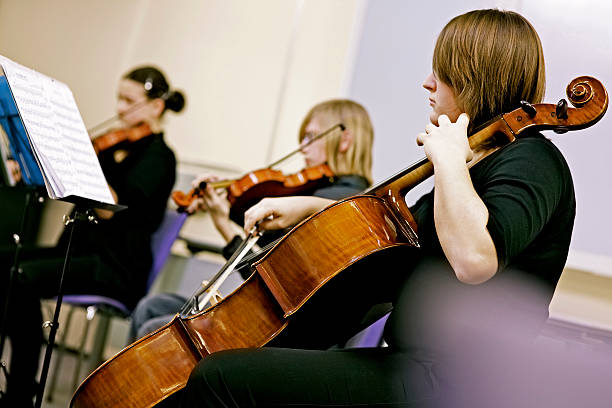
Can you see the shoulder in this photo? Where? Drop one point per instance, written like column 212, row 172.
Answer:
column 158, row 150
column 533, row 147
column 532, row 157
column 529, row 172
column 342, row 187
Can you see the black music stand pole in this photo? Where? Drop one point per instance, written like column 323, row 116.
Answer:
column 80, row 214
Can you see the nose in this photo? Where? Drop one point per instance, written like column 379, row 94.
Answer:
column 303, row 147
column 430, row 83
column 121, row 106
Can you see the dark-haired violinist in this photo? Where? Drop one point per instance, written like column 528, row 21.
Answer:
column 110, row 258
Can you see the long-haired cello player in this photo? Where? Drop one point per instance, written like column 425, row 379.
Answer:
column 488, row 219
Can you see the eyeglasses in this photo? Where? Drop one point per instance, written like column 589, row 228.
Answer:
column 308, row 138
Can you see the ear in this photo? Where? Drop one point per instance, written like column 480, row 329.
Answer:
column 346, row 141
column 158, row 106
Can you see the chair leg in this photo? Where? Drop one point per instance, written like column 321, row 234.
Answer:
column 91, row 313
column 59, row 355
column 97, row 350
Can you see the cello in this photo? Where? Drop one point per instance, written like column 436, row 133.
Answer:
column 288, row 278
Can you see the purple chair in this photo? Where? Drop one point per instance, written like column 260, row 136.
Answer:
column 371, row 336
column 107, row 308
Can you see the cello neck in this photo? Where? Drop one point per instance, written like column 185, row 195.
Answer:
column 421, row 170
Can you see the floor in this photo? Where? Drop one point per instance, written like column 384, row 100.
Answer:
column 63, row 388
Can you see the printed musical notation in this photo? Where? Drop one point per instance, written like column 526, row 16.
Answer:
column 57, row 134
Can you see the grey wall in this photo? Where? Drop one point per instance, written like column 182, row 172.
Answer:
column 394, row 57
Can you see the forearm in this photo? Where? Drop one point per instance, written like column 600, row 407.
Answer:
column 227, row 228
column 461, row 223
column 283, row 212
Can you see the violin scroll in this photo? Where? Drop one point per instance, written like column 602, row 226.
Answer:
column 184, row 200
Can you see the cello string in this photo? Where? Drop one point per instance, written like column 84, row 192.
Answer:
column 194, row 304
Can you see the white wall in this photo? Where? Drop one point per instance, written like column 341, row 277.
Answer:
column 250, row 69
column 229, row 57
column 395, row 56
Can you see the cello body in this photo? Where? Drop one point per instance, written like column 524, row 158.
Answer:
column 294, row 275
column 157, row 365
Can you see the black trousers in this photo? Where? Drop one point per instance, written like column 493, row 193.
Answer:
column 275, row 377
column 38, row 279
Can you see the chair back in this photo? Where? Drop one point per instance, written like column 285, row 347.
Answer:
column 162, row 240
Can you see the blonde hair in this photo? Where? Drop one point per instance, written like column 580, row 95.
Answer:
column 357, row 159
column 492, row 60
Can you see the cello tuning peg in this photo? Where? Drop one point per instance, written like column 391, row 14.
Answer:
column 562, row 109
column 528, row 108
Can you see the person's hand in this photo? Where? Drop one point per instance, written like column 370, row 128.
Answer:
column 211, row 201
column 282, row 212
column 448, row 141
column 14, row 170
column 215, row 203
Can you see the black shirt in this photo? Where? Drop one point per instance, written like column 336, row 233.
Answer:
column 528, row 190
column 143, row 182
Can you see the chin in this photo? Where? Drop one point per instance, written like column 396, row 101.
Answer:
column 433, row 118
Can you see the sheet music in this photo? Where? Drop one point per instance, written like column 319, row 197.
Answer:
column 57, row 134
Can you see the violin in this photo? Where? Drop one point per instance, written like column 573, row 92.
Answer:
column 246, row 191
column 119, row 137
column 292, row 277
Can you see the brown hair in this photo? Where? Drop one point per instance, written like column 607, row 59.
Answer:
column 358, row 159
column 492, row 60
column 156, row 86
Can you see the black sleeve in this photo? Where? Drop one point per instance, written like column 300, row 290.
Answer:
column 232, row 246
column 143, row 181
column 522, row 190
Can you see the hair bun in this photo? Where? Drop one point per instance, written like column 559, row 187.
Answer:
column 175, row 101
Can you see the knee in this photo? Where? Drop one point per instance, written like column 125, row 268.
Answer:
column 149, row 326
column 223, row 368
column 207, row 372
column 144, row 308
column 205, row 385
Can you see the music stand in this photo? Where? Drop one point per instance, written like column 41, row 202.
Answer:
column 56, row 139
column 83, row 212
